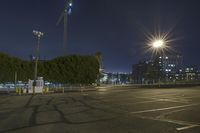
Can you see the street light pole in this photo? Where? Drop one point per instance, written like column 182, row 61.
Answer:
column 39, row 35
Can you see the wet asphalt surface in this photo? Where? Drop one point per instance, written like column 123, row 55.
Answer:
column 107, row 110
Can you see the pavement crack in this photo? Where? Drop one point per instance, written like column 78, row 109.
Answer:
column 62, row 115
column 29, row 101
column 49, row 101
column 32, row 120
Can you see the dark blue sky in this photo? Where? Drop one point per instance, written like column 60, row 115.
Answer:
column 115, row 27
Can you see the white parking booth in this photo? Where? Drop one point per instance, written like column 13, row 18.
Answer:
column 39, row 85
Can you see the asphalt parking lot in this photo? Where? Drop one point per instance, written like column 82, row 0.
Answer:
column 108, row 110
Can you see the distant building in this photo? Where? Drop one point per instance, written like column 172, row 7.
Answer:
column 171, row 67
column 115, row 78
column 139, row 72
column 162, row 68
column 192, row 73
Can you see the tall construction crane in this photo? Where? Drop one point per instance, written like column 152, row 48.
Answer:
column 64, row 16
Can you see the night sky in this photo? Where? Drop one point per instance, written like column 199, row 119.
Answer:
column 116, row 28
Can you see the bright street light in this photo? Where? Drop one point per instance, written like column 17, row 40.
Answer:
column 158, row 43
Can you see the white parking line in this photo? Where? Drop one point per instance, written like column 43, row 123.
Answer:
column 161, row 109
column 186, row 127
column 162, row 116
column 152, row 101
column 175, row 100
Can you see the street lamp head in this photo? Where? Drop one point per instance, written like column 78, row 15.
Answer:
column 159, row 43
column 38, row 33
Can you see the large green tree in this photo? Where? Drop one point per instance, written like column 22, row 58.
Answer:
column 74, row 69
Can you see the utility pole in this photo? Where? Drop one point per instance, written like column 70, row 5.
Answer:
column 64, row 16
column 39, row 35
column 15, row 80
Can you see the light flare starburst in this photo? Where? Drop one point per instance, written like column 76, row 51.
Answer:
column 159, row 42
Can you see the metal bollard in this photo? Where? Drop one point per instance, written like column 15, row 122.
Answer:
column 63, row 90
column 20, row 91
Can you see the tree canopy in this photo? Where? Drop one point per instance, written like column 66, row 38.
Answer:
column 74, row 69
